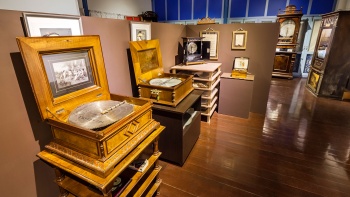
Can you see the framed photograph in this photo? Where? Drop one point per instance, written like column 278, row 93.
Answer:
column 241, row 63
column 239, row 39
column 140, row 31
column 68, row 72
column 212, row 36
column 37, row 25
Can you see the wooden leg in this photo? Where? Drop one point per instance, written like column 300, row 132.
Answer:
column 60, row 177
column 155, row 146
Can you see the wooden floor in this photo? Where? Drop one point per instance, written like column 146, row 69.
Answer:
column 300, row 148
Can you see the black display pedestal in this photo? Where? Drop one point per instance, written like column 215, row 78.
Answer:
column 182, row 127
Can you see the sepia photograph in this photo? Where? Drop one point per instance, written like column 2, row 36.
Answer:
column 68, row 72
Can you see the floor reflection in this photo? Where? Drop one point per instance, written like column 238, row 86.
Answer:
column 317, row 128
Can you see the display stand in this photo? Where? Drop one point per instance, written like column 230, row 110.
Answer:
column 182, row 127
column 235, row 95
column 76, row 180
column 207, row 78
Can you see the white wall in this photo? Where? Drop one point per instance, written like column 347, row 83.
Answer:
column 69, row 7
column 123, row 7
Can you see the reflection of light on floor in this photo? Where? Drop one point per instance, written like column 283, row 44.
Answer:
column 273, row 114
column 300, row 139
column 228, row 163
column 333, row 166
column 295, row 105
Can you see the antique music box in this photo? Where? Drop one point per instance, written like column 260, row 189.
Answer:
column 153, row 83
column 90, row 126
column 240, row 67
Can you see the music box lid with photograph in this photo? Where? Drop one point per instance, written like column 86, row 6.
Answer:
column 240, row 67
column 69, row 82
column 152, row 82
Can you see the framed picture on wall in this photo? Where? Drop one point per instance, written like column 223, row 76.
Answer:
column 140, row 31
column 39, row 24
column 213, row 36
column 239, row 39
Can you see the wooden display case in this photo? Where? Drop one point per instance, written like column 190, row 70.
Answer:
column 206, row 78
column 182, row 127
column 330, row 65
column 289, row 20
column 76, row 180
column 65, row 73
column 148, row 65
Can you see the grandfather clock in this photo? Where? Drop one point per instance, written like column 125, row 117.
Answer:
column 289, row 20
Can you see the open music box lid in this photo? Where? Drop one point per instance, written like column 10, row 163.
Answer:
column 65, row 72
column 147, row 60
column 241, row 63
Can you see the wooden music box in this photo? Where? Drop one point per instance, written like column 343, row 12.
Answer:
column 153, row 83
column 90, row 126
column 240, row 67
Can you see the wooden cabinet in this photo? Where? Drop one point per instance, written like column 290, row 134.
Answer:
column 76, row 180
column 330, row 66
column 182, row 127
column 207, row 78
column 289, row 20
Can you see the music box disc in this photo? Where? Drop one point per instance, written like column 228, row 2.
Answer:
column 99, row 114
column 165, row 82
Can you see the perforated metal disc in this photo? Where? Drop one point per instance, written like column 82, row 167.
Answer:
column 99, row 114
column 165, row 82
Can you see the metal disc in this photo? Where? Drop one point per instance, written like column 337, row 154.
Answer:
column 99, row 114
column 165, row 82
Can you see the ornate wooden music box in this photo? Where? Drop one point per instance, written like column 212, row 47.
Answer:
column 240, row 67
column 90, row 126
column 153, row 83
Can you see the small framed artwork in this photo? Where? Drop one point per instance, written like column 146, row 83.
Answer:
column 239, row 39
column 38, row 24
column 212, row 36
column 68, row 72
column 241, row 63
column 140, row 31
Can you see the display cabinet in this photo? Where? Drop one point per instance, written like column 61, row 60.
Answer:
column 76, row 180
column 330, row 66
column 182, row 127
column 289, row 20
column 96, row 134
column 206, row 77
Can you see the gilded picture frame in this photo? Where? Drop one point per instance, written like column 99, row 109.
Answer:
column 239, row 40
column 212, row 36
column 313, row 80
column 140, row 31
column 44, row 25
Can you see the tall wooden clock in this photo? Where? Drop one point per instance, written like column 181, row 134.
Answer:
column 289, row 20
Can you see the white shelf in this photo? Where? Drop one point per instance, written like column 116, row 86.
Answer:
column 211, row 111
column 211, row 103
column 213, row 93
column 211, row 79
column 209, row 75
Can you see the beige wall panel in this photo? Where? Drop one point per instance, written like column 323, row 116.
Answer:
column 261, row 46
column 23, row 134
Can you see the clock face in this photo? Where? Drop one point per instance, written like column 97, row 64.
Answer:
column 287, row 28
column 191, row 47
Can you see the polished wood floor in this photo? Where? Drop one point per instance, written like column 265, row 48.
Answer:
column 300, row 148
